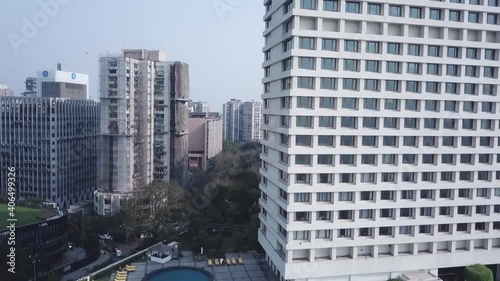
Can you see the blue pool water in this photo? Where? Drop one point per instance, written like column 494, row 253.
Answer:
column 179, row 274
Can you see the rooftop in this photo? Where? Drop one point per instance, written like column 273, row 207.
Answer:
column 23, row 215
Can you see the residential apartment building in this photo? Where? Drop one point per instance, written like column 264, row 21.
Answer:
column 242, row 120
column 52, row 143
column 380, row 137
column 205, row 140
column 144, row 119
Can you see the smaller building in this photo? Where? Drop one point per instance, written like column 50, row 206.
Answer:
column 200, row 106
column 31, row 87
column 205, row 139
column 5, row 91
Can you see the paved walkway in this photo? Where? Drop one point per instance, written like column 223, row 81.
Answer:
column 248, row 271
column 87, row 269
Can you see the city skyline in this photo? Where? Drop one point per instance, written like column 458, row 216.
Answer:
column 85, row 41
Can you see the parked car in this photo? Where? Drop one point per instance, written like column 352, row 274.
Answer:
column 118, row 252
column 105, row 236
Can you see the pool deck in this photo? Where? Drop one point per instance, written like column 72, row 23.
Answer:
column 248, row 271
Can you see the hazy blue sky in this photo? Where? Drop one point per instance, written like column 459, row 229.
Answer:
column 222, row 45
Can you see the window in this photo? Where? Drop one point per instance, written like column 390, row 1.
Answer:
column 392, row 67
column 387, row 195
column 435, row 14
column 432, row 87
column 350, row 84
column 448, row 141
column 416, row 12
column 331, row 5
column 395, row 11
column 368, row 177
column 351, row 65
column 307, row 63
column 385, row 231
column 411, row 105
column 429, row 141
column 494, row 3
column 304, row 102
column 424, row 229
column 489, row 72
column 413, row 68
column 391, row 104
column 326, row 121
column 474, row 17
column 308, row 4
column 485, row 141
column 426, row 212
column 325, row 140
column 350, row 103
column 468, row 124
column 489, row 90
column 347, row 159
column 326, row 102
column 472, row 53
column 484, row 158
column 414, row 50
column 449, row 123
column 374, row 9
column 328, row 83
column 389, row 177
column 351, row 46
column 390, row 141
column 452, row 70
column 324, row 234
column 450, row 106
column 370, row 103
column 390, row 122
column 303, row 159
column 492, row 19
column 345, row 233
column 407, row 194
column 305, row 82
column 372, row 85
column 409, row 159
column 366, row 196
column 353, row 7
column 433, row 68
column 286, row 83
column 329, row 44
column 345, row 196
column 347, row 178
column 325, row 159
column 470, row 89
column 434, row 51
column 365, row 214
column 471, row 71
column 302, row 197
column 368, row 159
column 413, row 86
column 302, row 178
column 392, row 85
column 469, row 106
column 455, row 15
column 394, row 48
column 372, row 66
column 409, row 177
column 406, row 212
column 405, row 230
column 389, row 159
column 373, row 47
column 307, row 43
column 304, row 121
column 453, row 52
column 301, row 235
column 348, row 122
column 489, row 54
column 482, row 192
column 370, row 122
column 287, row 46
column 286, row 64
column 329, row 64
column 410, row 141
column 387, row 213
column 303, row 140
column 324, row 216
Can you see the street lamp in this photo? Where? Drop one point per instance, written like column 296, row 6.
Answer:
column 34, row 260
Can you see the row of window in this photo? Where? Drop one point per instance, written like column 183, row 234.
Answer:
column 370, row 159
column 378, row 9
column 394, row 104
column 354, row 84
column 391, row 230
column 328, row 197
column 405, row 177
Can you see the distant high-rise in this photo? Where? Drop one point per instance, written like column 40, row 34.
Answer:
column 381, row 138
column 242, row 120
column 5, row 91
column 144, row 124
column 52, row 143
column 205, row 139
column 61, row 84
column 200, row 106
column 31, row 87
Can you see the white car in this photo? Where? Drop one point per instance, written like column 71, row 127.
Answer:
column 105, row 236
column 118, row 252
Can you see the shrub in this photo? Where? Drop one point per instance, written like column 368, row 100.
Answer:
column 478, row 272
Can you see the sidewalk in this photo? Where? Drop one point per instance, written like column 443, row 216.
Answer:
column 104, row 257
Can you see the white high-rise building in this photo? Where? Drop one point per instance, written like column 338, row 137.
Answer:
column 200, row 107
column 380, row 137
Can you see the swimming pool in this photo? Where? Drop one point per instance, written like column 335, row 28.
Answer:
column 179, row 273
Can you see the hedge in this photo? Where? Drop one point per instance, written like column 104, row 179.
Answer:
column 478, row 272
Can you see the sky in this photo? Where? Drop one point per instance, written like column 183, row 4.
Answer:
column 221, row 40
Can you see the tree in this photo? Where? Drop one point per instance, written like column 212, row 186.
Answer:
column 478, row 272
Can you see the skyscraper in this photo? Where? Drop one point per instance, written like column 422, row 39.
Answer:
column 200, row 106
column 380, row 137
column 143, row 123
column 52, row 143
column 5, row 91
column 242, row 120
